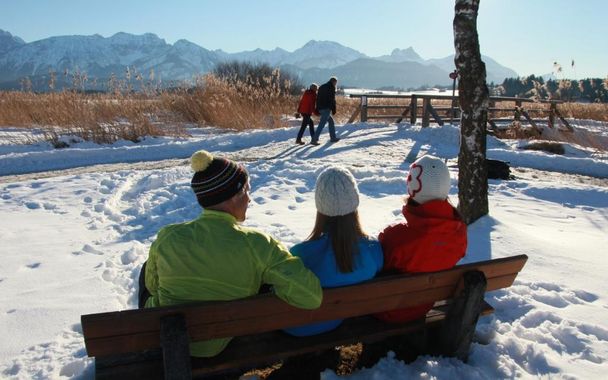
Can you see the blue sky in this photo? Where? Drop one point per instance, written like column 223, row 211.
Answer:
column 525, row 35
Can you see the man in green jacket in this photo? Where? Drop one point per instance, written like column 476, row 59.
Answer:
column 214, row 258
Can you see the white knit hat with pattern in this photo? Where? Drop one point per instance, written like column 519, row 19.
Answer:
column 336, row 192
column 428, row 179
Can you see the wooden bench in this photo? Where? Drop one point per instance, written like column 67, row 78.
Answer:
column 147, row 343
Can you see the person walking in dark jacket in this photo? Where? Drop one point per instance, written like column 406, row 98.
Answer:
column 307, row 108
column 326, row 105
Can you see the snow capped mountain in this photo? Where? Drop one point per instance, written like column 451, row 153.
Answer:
column 402, row 55
column 322, row 54
column 180, row 61
column 8, row 41
column 272, row 57
column 101, row 57
column 143, row 55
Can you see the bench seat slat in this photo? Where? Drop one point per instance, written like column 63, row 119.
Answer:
column 269, row 347
column 136, row 330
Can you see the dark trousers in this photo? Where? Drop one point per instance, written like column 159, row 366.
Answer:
column 306, row 121
column 143, row 293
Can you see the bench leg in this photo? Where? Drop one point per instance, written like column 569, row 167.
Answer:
column 459, row 326
column 176, row 347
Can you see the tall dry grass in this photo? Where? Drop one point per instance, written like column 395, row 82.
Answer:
column 231, row 104
column 101, row 118
column 123, row 114
column 591, row 111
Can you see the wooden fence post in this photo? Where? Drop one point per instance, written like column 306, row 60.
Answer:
column 552, row 115
column 426, row 119
column 413, row 109
column 363, row 108
column 491, row 105
column 517, row 115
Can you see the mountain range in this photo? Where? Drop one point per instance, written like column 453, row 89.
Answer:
column 125, row 56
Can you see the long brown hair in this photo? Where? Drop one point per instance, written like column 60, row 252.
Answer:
column 344, row 232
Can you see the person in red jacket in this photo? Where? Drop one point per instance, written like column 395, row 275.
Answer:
column 432, row 237
column 307, row 108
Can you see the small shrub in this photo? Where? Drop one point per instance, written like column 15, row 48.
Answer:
column 545, row 146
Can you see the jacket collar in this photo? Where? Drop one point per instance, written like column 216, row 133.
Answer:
column 439, row 209
column 219, row 215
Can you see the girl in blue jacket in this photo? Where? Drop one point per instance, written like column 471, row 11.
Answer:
column 337, row 250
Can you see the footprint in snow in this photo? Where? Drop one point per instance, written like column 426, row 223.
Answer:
column 259, row 200
column 37, row 185
column 32, row 205
column 90, row 249
column 49, row 206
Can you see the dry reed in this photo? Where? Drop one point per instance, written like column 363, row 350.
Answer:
column 238, row 105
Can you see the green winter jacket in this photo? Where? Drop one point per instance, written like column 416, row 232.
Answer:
column 212, row 258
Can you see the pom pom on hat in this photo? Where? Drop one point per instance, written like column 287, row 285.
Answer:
column 428, row 179
column 200, row 160
column 336, row 192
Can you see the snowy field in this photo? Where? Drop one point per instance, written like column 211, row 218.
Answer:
column 73, row 241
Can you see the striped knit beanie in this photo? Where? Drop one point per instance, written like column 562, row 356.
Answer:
column 215, row 179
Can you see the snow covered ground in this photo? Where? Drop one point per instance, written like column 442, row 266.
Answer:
column 73, row 240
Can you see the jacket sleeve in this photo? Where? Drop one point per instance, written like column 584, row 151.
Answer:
column 388, row 239
column 291, row 280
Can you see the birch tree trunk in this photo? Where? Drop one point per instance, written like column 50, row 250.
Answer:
column 473, row 98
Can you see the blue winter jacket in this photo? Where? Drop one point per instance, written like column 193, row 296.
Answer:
column 318, row 256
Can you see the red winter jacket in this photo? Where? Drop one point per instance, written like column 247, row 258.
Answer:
column 308, row 103
column 432, row 238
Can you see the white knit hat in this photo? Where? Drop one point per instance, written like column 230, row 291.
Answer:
column 336, row 192
column 428, row 179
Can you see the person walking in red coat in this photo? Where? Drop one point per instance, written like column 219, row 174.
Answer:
column 432, row 237
column 307, row 108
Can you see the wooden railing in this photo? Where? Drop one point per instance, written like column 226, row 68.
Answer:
column 421, row 105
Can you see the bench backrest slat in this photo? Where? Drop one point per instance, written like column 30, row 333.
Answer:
column 135, row 330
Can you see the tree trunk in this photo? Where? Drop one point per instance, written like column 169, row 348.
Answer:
column 473, row 97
